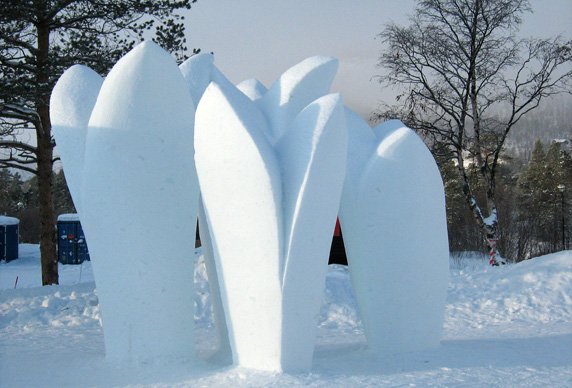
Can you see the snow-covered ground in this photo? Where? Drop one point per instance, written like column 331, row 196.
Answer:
column 506, row 326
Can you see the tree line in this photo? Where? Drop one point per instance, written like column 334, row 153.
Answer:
column 20, row 198
column 466, row 80
column 534, row 202
column 534, row 199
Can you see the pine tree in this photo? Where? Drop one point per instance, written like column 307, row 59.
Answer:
column 544, row 196
column 39, row 39
column 11, row 194
column 63, row 202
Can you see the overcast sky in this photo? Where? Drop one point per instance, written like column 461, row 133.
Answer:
column 262, row 38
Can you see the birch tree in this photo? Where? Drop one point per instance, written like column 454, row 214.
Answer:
column 465, row 80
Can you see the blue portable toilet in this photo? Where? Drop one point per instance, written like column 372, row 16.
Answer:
column 9, row 238
column 72, row 247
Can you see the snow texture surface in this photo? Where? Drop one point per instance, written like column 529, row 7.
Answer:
column 197, row 72
column 5, row 220
column 68, row 217
column 140, row 199
column 393, row 220
column 294, row 90
column 252, row 88
column 504, row 326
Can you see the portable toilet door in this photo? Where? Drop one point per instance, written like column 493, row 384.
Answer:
column 337, row 249
column 72, row 247
column 9, row 238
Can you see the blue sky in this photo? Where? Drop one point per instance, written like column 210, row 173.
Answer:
column 262, row 38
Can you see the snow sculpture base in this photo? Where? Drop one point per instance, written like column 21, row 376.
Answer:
column 393, row 219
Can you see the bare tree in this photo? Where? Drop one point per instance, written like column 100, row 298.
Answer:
column 39, row 39
column 466, row 80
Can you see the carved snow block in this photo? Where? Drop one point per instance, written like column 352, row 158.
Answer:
column 393, row 219
column 139, row 207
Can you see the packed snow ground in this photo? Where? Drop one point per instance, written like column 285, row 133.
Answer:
column 507, row 326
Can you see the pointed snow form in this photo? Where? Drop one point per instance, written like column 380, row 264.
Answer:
column 313, row 156
column 294, row 90
column 240, row 184
column 198, row 71
column 271, row 212
column 252, row 88
column 140, row 198
column 71, row 103
column 395, row 235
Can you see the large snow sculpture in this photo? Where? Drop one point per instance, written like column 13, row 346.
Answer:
column 71, row 104
column 272, row 167
column 139, row 202
column 262, row 180
column 393, row 219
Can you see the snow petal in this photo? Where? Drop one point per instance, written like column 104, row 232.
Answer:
column 71, row 104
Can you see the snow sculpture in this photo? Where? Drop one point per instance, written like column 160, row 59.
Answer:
column 261, row 178
column 392, row 215
column 265, row 158
column 139, row 202
column 71, row 104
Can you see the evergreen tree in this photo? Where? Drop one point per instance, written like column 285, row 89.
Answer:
column 544, row 197
column 62, row 198
column 39, row 39
column 11, row 195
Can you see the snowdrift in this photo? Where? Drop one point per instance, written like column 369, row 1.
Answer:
column 505, row 326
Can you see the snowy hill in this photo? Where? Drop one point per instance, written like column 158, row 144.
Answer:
column 507, row 326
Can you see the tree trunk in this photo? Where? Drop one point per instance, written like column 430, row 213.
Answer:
column 489, row 225
column 44, row 155
column 47, row 217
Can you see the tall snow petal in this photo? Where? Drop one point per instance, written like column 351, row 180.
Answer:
column 240, row 183
column 395, row 235
column 197, row 72
column 71, row 104
column 140, row 199
column 313, row 157
column 294, row 90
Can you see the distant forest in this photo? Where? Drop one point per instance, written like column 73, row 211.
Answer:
column 534, row 188
column 550, row 121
